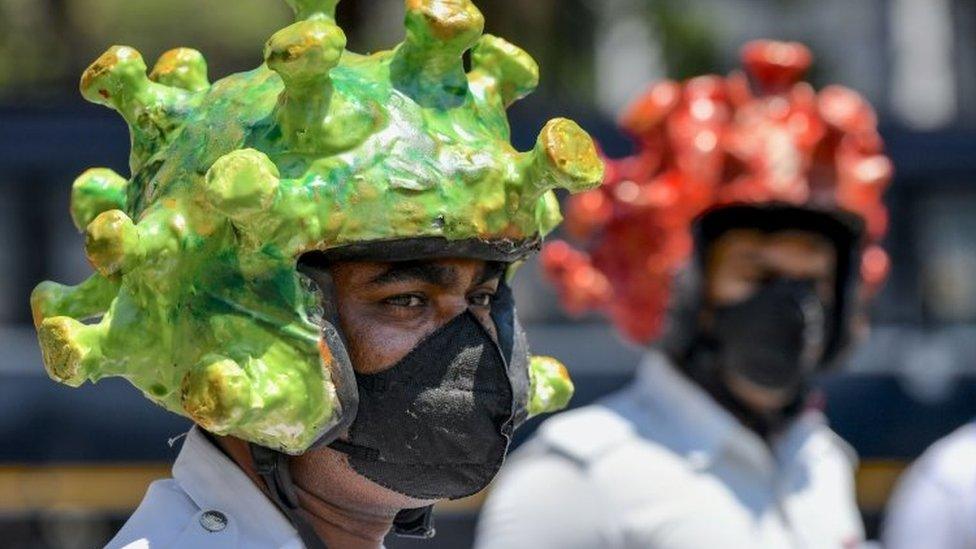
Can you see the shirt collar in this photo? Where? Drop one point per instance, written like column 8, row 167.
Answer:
column 707, row 429
column 213, row 481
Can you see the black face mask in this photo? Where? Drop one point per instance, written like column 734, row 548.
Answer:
column 438, row 423
column 776, row 337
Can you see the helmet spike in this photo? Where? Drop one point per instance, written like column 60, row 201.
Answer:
column 564, row 157
column 216, row 394
column 66, row 347
column 116, row 79
column 303, row 54
column 86, row 300
column 111, row 242
column 508, row 69
column 428, row 65
column 313, row 9
column 154, row 112
column 581, row 286
column 650, row 110
column 95, row 191
column 549, row 385
column 183, row 68
column 775, row 66
column 242, row 185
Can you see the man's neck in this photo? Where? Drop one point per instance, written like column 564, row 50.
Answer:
column 700, row 368
column 343, row 527
column 340, row 523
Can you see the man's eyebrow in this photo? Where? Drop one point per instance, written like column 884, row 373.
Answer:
column 431, row 273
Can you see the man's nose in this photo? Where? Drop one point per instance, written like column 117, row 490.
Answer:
column 451, row 308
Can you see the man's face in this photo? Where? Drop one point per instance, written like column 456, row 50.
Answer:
column 740, row 261
column 386, row 309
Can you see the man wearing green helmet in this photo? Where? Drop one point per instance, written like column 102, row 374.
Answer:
column 310, row 261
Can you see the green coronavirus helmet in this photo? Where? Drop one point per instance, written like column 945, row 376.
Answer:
column 197, row 298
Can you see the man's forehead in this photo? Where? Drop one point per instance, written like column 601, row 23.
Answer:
column 794, row 251
column 441, row 272
column 747, row 238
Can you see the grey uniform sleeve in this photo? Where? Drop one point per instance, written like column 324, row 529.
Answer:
column 543, row 500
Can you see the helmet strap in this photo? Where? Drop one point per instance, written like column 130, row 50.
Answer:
column 272, row 467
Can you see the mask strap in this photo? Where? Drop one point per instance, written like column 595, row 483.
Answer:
column 272, row 466
column 408, row 523
column 355, row 450
column 415, row 523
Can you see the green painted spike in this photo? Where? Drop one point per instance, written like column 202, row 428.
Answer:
column 65, row 349
column 242, row 184
column 428, row 65
column 87, row 300
column 95, row 191
column 306, row 9
column 216, row 394
column 564, row 157
column 183, row 68
column 117, row 79
column 512, row 70
column 550, row 388
column 111, row 240
column 155, row 112
column 197, row 300
column 547, row 213
column 303, row 54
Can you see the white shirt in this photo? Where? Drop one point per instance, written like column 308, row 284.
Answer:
column 209, row 503
column 935, row 503
column 661, row 465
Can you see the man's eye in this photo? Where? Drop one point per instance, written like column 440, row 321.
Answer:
column 481, row 299
column 406, row 300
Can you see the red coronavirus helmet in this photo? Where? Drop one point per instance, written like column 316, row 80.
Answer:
column 762, row 138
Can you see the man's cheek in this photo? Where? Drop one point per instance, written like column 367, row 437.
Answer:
column 375, row 348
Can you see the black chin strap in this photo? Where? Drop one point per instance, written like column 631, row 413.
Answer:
column 408, row 523
column 355, row 450
column 272, row 466
column 415, row 523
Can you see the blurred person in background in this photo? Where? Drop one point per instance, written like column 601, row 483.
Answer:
column 291, row 268
column 743, row 239
column 934, row 505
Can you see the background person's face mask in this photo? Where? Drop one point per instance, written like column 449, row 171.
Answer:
column 775, row 338
column 438, row 423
